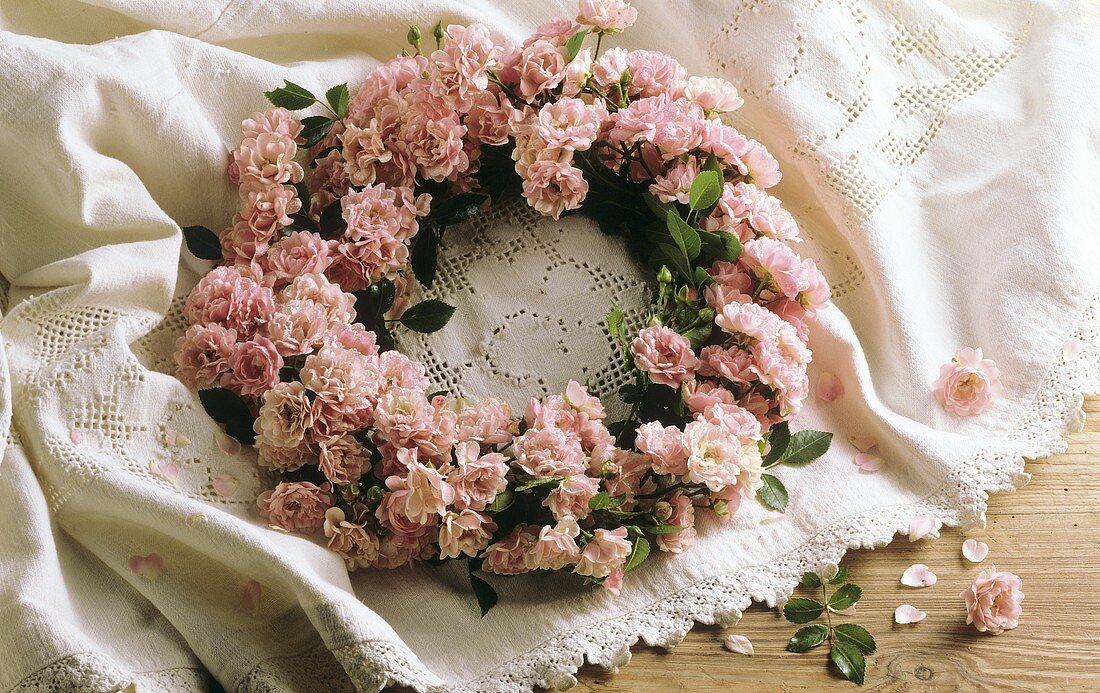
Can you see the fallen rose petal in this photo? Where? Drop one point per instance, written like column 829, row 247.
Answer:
column 613, row 583
column 228, row 444
column 191, row 518
column 739, row 644
column 975, row 551
column 908, row 614
column 868, row 463
column 918, row 575
column 164, row 470
column 76, row 436
column 923, row 526
column 863, row 443
column 175, row 438
column 829, row 387
column 225, row 485
column 850, row 611
column 250, row 596
column 1072, row 348
column 148, row 566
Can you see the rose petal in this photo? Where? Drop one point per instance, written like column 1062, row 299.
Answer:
column 868, row 463
column 225, row 485
column 908, row 614
column 251, row 592
column 975, row 551
column 829, row 386
column 828, row 571
column 175, row 438
column 76, row 436
column 923, row 526
column 228, row 444
column 1072, row 348
column 191, row 518
column 148, row 566
column 739, row 644
column 613, row 583
column 850, row 611
column 863, row 443
column 918, row 575
column 164, row 470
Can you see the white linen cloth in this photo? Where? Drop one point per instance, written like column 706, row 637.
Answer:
column 942, row 162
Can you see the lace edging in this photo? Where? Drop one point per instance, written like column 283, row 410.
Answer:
column 961, row 500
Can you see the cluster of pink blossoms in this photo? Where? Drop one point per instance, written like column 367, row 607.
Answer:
column 391, row 474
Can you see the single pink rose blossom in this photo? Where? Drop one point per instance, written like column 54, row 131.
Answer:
column 665, row 354
column 464, row 533
column 609, row 16
column 255, row 365
column 967, row 385
column 202, row 354
column 296, row 506
column 604, row 553
column 512, row 555
column 993, row 601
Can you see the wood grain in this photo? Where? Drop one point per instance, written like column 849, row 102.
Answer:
column 1048, row 533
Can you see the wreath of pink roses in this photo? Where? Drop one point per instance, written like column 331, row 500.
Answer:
column 291, row 347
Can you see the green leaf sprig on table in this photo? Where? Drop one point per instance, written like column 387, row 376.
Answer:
column 849, row 644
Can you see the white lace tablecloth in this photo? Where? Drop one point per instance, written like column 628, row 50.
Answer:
column 941, row 161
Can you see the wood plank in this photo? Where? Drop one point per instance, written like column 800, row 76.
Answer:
column 1048, row 533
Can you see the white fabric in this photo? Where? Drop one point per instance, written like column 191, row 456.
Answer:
column 942, row 163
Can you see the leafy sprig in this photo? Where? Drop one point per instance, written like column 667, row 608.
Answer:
column 849, row 644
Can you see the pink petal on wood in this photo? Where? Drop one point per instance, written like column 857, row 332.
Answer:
column 739, row 644
column 918, row 575
column 923, row 526
column 868, row 463
column 829, row 386
column 850, row 611
column 975, row 551
column 908, row 614
column 148, row 566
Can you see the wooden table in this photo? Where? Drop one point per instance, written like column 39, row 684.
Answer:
column 1048, row 533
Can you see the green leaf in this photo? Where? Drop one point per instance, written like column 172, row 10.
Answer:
column 337, row 99
column 332, row 220
column 664, row 529
column 844, row 597
column 810, row 579
column 603, row 501
column 779, row 437
column 638, row 553
column 487, row 597
column 372, row 302
column 807, row 446
column 302, row 188
column 713, row 164
column 705, row 190
column 291, row 96
column 427, row 316
column 537, row 481
column 425, row 255
column 686, row 237
column 384, row 337
column 573, row 45
column 773, row 494
column 202, row 242
column 671, row 256
column 856, row 635
column 503, row 501
column 616, row 323
column 841, row 576
column 703, row 278
column 228, row 408
column 807, row 638
column 699, row 334
column 849, row 660
column 316, row 128
column 457, row 209
column 802, row 610
column 632, row 393
column 732, row 245
column 659, row 209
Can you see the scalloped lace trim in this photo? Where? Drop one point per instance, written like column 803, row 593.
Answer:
column 961, row 500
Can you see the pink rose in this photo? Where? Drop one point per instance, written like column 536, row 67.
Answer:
column 577, row 397
column 397, row 370
column 464, row 533
column 665, row 447
column 461, row 65
column 286, row 414
column 713, row 94
column 609, row 16
column 551, row 187
column 541, row 67
column 491, row 118
column 654, row 73
column 724, row 142
column 489, row 421
column 556, row 546
column 403, row 416
column 993, row 601
column 761, row 166
column 277, row 120
column 512, row 555
column 255, row 365
column 674, row 185
column 776, row 265
column 610, row 66
column 296, row 506
column 282, row 459
column 737, row 420
column 202, row 354
column 549, row 452
column 357, row 545
column 297, row 327
column 699, row 395
column 299, row 253
column 342, row 459
column 570, row 497
column 354, row 336
column 665, row 354
column 231, row 297
column 682, row 515
column 344, row 379
column 719, row 459
column 570, row 124
column 477, row 479
column 267, row 158
column 434, row 135
column 716, row 361
column 424, row 493
column 604, row 553
column 968, row 384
